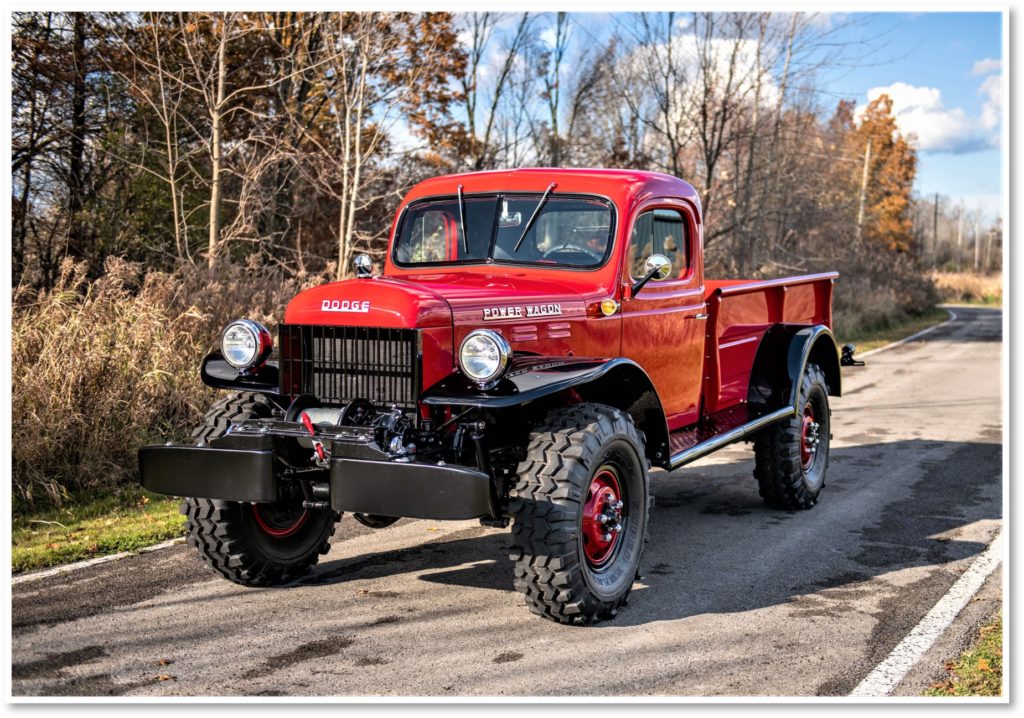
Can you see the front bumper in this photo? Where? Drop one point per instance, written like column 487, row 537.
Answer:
column 361, row 478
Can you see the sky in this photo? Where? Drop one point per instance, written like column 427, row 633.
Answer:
column 943, row 72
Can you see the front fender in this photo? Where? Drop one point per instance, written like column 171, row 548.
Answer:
column 529, row 378
column 218, row 374
column 617, row 382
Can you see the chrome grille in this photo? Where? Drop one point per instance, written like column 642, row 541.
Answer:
column 339, row 364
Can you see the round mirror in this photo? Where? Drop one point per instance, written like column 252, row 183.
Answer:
column 660, row 265
column 363, row 265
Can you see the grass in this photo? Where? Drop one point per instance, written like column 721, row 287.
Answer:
column 93, row 525
column 985, row 290
column 979, row 670
column 872, row 338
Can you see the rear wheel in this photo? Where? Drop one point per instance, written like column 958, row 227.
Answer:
column 791, row 457
column 255, row 544
column 580, row 508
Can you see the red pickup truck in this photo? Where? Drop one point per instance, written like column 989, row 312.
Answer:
column 536, row 341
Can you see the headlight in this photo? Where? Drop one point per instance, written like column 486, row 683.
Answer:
column 245, row 344
column 484, row 356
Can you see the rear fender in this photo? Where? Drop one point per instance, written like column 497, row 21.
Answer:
column 616, row 382
column 781, row 360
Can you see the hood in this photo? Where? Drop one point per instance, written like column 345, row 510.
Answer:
column 431, row 300
column 376, row 302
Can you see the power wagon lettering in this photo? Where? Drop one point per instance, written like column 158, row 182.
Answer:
column 344, row 305
column 530, row 310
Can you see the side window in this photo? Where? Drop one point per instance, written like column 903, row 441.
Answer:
column 659, row 231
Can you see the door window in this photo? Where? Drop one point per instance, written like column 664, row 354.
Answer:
column 660, row 231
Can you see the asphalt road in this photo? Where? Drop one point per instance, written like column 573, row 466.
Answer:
column 737, row 599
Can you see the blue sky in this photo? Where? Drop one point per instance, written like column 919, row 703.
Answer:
column 944, row 52
column 943, row 71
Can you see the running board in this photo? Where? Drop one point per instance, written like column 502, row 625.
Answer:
column 727, row 437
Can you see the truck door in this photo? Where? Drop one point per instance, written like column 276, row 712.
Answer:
column 663, row 324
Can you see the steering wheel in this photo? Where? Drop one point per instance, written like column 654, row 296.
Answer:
column 572, row 249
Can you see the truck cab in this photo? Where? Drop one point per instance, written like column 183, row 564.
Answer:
column 534, row 342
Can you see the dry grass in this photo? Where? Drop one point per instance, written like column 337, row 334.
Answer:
column 103, row 367
column 970, row 288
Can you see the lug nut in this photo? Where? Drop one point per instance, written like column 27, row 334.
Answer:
column 606, row 537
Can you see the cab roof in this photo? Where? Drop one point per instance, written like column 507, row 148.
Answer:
column 623, row 187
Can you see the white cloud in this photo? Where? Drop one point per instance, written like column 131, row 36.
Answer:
column 921, row 114
column 992, row 109
column 986, row 66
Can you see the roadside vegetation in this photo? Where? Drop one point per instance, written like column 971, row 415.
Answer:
column 93, row 524
column 979, row 670
column 970, row 288
column 866, row 338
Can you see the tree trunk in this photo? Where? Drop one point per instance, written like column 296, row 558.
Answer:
column 216, row 117
column 76, row 165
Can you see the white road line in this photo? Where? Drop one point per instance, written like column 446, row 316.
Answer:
column 888, row 674
column 56, row 571
column 912, row 337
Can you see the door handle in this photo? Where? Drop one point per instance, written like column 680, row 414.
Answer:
column 702, row 315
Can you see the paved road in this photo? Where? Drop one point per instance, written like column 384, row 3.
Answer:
column 737, row 599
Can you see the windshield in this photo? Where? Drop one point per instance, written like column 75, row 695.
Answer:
column 567, row 231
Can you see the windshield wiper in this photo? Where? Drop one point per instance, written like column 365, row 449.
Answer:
column 462, row 221
column 533, row 217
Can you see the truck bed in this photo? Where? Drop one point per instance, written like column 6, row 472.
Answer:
column 739, row 314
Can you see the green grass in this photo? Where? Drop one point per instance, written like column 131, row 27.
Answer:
column 874, row 337
column 979, row 670
column 93, row 525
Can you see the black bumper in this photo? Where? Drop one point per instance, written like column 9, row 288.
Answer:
column 360, row 485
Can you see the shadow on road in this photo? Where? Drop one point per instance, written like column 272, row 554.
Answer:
column 715, row 548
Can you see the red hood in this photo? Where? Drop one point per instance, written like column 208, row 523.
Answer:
column 428, row 300
column 376, row 302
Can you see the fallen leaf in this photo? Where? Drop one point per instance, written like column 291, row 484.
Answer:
column 164, row 677
column 94, row 547
column 983, row 665
column 144, row 500
column 949, row 665
column 433, row 528
column 164, row 662
column 52, row 546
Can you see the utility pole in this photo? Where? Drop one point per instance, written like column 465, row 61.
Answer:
column 977, row 240
column 935, row 229
column 863, row 187
column 960, row 237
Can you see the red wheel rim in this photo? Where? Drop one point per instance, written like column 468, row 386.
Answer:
column 808, row 437
column 602, row 517
column 271, row 526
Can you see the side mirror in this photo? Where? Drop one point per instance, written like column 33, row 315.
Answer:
column 363, row 265
column 657, row 267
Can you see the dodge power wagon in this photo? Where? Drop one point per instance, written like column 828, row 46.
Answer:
column 535, row 342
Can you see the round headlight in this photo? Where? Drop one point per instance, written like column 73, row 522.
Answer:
column 245, row 344
column 484, row 356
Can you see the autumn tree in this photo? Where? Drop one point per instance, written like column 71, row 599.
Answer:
column 886, row 173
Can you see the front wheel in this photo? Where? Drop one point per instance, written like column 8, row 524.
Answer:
column 791, row 456
column 580, row 506
column 255, row 544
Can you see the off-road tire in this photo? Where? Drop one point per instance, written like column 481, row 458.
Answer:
column 226, row 534
column 551, row 569
column 783, row 481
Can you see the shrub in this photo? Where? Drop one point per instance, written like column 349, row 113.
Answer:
column 102, row 368
column 970, row 287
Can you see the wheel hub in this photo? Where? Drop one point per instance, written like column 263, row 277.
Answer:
column 602, row 517
column 279, row 521
column 809, row 437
